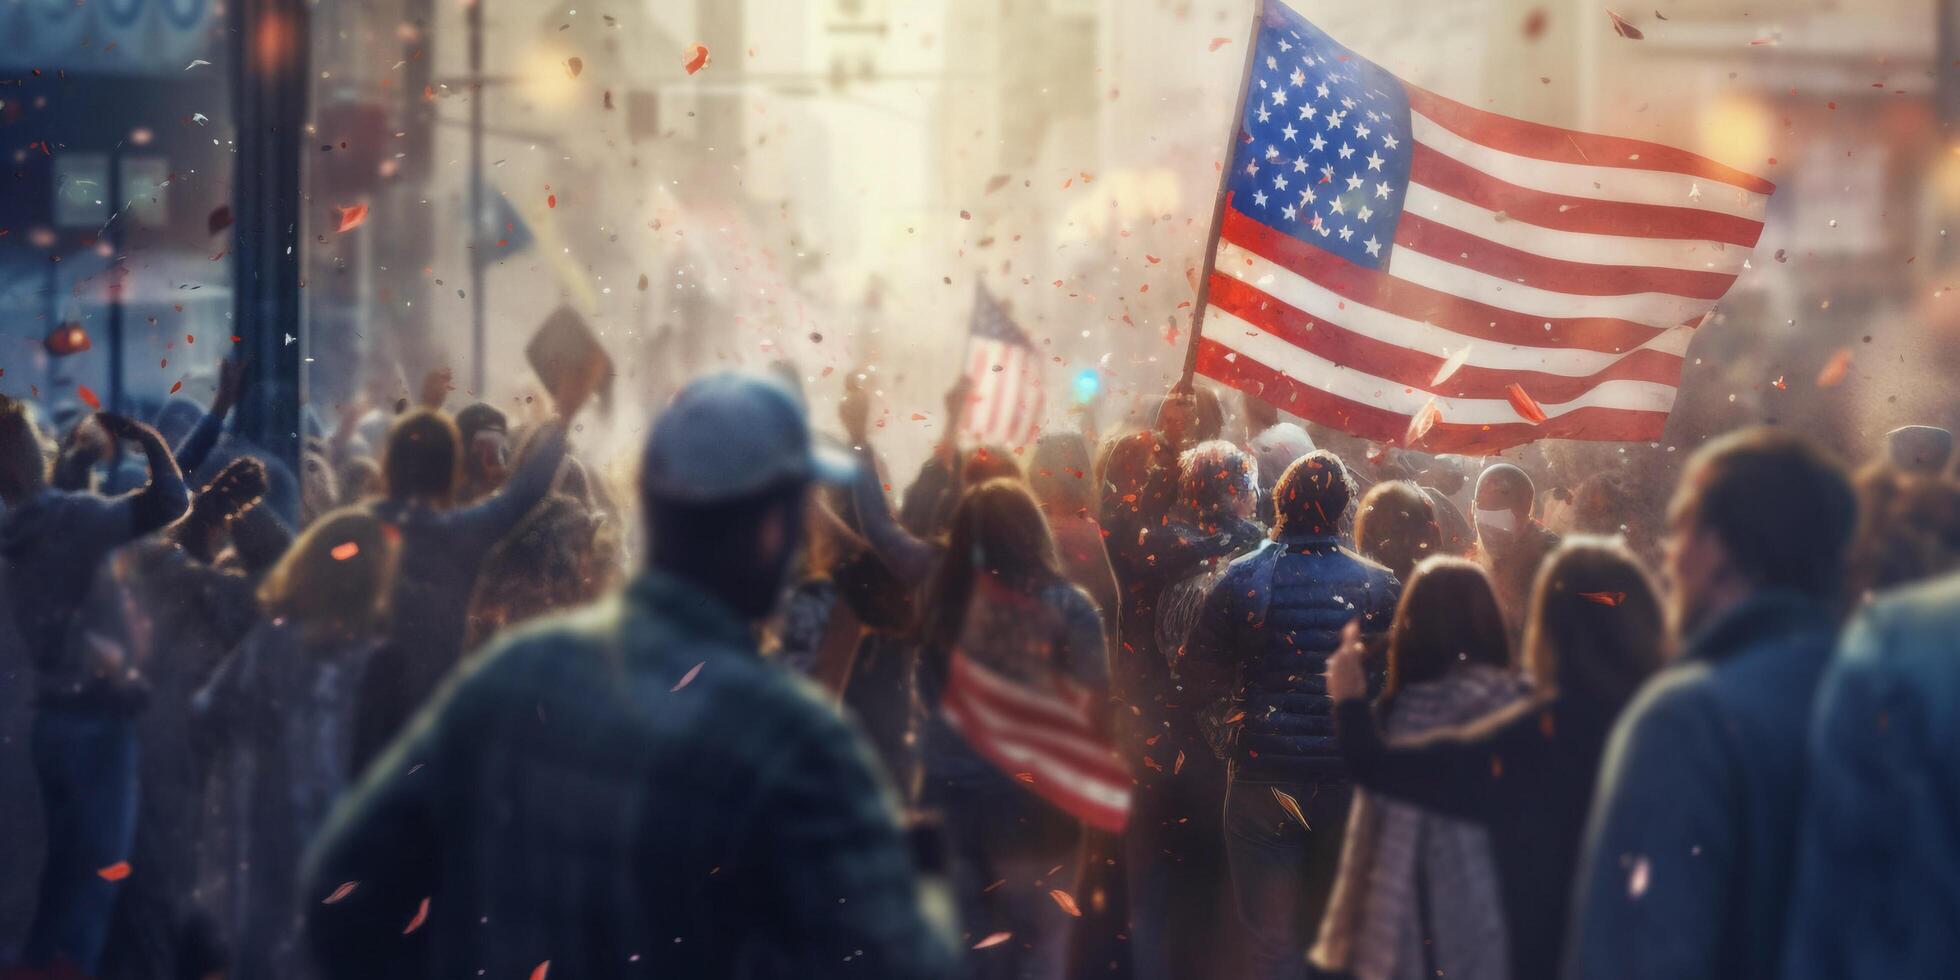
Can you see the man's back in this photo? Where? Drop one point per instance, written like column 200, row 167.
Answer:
column 630, row 792
column 1687, row 867
column 1878, row 872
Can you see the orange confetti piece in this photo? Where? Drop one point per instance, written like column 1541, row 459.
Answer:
column 993, row 940
column 421, row 916
column 538, row 972
column 697, row 57
column 352, row 216
column 688, row 678
column 1290, row 805
column 1836, row 369
column 1066, row 901
column 345, row 550
column 1420, row 423
column 1219, row 42
column 88, row 397
column 115, row 872
column 1624, row 29
column 1527, row 406
column 1604, row 598
column 346, row 888
column 551, row 200
column 176, row 387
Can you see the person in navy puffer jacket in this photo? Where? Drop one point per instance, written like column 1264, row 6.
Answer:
column 1264, row 636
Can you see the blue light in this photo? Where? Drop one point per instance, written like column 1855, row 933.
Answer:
column 1087, row 381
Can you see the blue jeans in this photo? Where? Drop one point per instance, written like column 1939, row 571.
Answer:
column 85, row 761
column 1282, row 872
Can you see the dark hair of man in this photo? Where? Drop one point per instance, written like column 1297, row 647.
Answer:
column 424, row 452
column 1448, row 615
column 1595, row 630
column 480, row 418
column 713, row 544
column 1396, row 525
column 1312, row 495
column 1782, row 510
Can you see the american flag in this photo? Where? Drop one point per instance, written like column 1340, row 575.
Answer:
column 1393, row 263
column 1036, row 727
column 1004, row 408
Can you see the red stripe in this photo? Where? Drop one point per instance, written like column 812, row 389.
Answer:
column 1448, row 175
column 1459, row 247
column 1053, row 781
column 1529, row 139
column 1086, row 756
column 1009, row 697
column 1385, row 426
column 1372, row 287
column 1414, row 368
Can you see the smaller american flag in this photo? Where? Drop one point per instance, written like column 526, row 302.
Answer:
column 1041, row 737
column 1005, row 405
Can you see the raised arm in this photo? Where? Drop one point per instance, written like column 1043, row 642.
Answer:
column 493, row 517
column 166, row 498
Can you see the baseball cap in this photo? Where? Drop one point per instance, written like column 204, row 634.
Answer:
column 731, row 435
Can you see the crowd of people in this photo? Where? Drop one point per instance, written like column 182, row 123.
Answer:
column 422, row 706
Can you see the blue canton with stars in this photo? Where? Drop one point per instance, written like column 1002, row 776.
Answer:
column 1323, row 150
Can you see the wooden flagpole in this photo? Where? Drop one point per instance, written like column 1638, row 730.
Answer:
column 1218, row 206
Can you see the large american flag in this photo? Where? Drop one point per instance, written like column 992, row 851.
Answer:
column 1006, row 404
column 1408, row 268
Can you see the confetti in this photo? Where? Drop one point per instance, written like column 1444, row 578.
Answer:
column 538, row 972
column 1450, row 366
column 1623, row 28
column 1219, row 42
column 345, row 550
column 346, row 888
column 1836, row 369
column 1420, row 423
column 697, row 57
column 1527, row 407
column 688, row 678
column 421, row 916
column 1066, row 901
column 994, row 940
column 1290, row 805
column 1637, row 877
column 115, row 872
column 1604, row 598
column 351, row 217
column 88, row 397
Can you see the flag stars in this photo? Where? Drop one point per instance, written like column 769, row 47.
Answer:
column 1337, row 207
column 1279, row 96
column 1264, row 114
column 1374, row 160
column 1306, row 196
column 1381, row 190
column 1308, row 109
column 1289, row 132
column 1346, row 102
column 1354, row 182
column 1259, row 198
column 1298, row 78
column 1365, row 213
column 1272, row 62
column 1321, row 90
column 1251, row 169
column 1361, row 132
column 1347, row 234
column 1374, row 247
column 1299, row 165
column 1327, row 174
column 1389, row 141
column 1279, row 182
column 1345, row 151
column 1272, row 152
column 1317, row 143
column 1290, row 212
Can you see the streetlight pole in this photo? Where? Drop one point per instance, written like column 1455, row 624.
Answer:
column 474, row 20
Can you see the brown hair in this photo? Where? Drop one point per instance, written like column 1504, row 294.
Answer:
column 1312, row 495
column 1783, row 510
column 1396, row 525
column 1595, row 631
column 336, row 576
column 1448, row 615
column 423, row 457
column 23, row 466
column 997, row 530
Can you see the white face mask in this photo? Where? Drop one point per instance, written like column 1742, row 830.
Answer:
column 1496, row 520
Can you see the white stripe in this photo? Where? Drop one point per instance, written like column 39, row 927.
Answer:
column 1297, row 291
column 1657, row 310
column 1599, row 183
column 988, row 684
column 1310, row 369
column 1043, row 766
column 1574, row 246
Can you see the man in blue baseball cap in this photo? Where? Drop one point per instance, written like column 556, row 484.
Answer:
column 631, row 790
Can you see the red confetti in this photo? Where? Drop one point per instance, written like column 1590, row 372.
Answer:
column 88, row 397
column 346, row 888
column 345, row 550
column 1836, row 369
column 352, row 216
column 1420, row 424
column 421, row 916
column 1219, row 42
column 551, row 200
column 538, row 972
column 1527, row 407
column 176, row 387
column 1624, row 29
column 1604, row 598
column 697, row 57
column 115, row 872
column 1066, row 901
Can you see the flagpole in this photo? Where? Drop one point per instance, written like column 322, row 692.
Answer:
column 1218, row 206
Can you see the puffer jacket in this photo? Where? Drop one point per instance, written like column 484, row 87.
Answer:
column 1267, row 629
